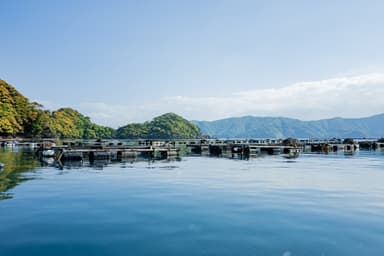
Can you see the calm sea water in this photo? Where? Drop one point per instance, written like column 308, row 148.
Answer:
column 314, row 205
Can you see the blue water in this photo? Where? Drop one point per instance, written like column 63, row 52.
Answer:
column 314, row 205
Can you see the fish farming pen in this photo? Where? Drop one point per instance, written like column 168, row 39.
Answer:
column 113, row 153
column 96, row 151
column 166, row 149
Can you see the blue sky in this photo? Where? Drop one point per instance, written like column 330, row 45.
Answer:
column 125, row 61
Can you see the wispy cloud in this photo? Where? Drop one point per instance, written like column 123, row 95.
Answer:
column 350, row 96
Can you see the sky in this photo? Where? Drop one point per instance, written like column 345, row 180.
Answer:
column 128, row 61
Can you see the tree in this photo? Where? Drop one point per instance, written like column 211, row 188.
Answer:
column 18, row 116
column 167, row 126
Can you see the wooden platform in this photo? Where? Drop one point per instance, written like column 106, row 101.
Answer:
column 97, row 152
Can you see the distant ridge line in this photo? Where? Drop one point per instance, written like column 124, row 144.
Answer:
column 283, row 127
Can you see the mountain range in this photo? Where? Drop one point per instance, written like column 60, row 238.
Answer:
column 281, row 127
column 20, row 117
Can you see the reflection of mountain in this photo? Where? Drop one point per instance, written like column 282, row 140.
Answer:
column 16, row 162
column 280, row 127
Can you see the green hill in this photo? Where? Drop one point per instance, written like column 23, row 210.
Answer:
column 280, row 127
column 20, row 117
column 16, row 112
column 167, row 126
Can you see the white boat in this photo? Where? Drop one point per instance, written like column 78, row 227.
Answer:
column 1, row 166
column 10, row 144
column 291, row 153
column 48, row 152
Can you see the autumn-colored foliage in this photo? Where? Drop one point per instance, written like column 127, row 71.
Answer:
column 18, row 116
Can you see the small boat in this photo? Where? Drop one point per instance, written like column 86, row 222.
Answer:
column 291, row 153
column 9, row 144
column 1, row 166
column 48, row 153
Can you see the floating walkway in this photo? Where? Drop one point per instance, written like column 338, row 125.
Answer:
column 245, row 149
column 99, row 152
column 163, row 149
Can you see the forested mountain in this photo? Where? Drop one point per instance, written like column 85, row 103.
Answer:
column 19, row 116
column 69, row 123
column 280, row 127
column 167, row 126
column 16, row 112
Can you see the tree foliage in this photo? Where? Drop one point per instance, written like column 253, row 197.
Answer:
column 14, row 110
column 18, row 116
column 69, row 123
column 167, row 126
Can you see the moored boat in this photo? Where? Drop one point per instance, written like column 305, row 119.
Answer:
column 48, row 153
column 291, row 153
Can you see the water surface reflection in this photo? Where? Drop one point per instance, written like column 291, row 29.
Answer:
column 315, row 205
column 16, row 162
